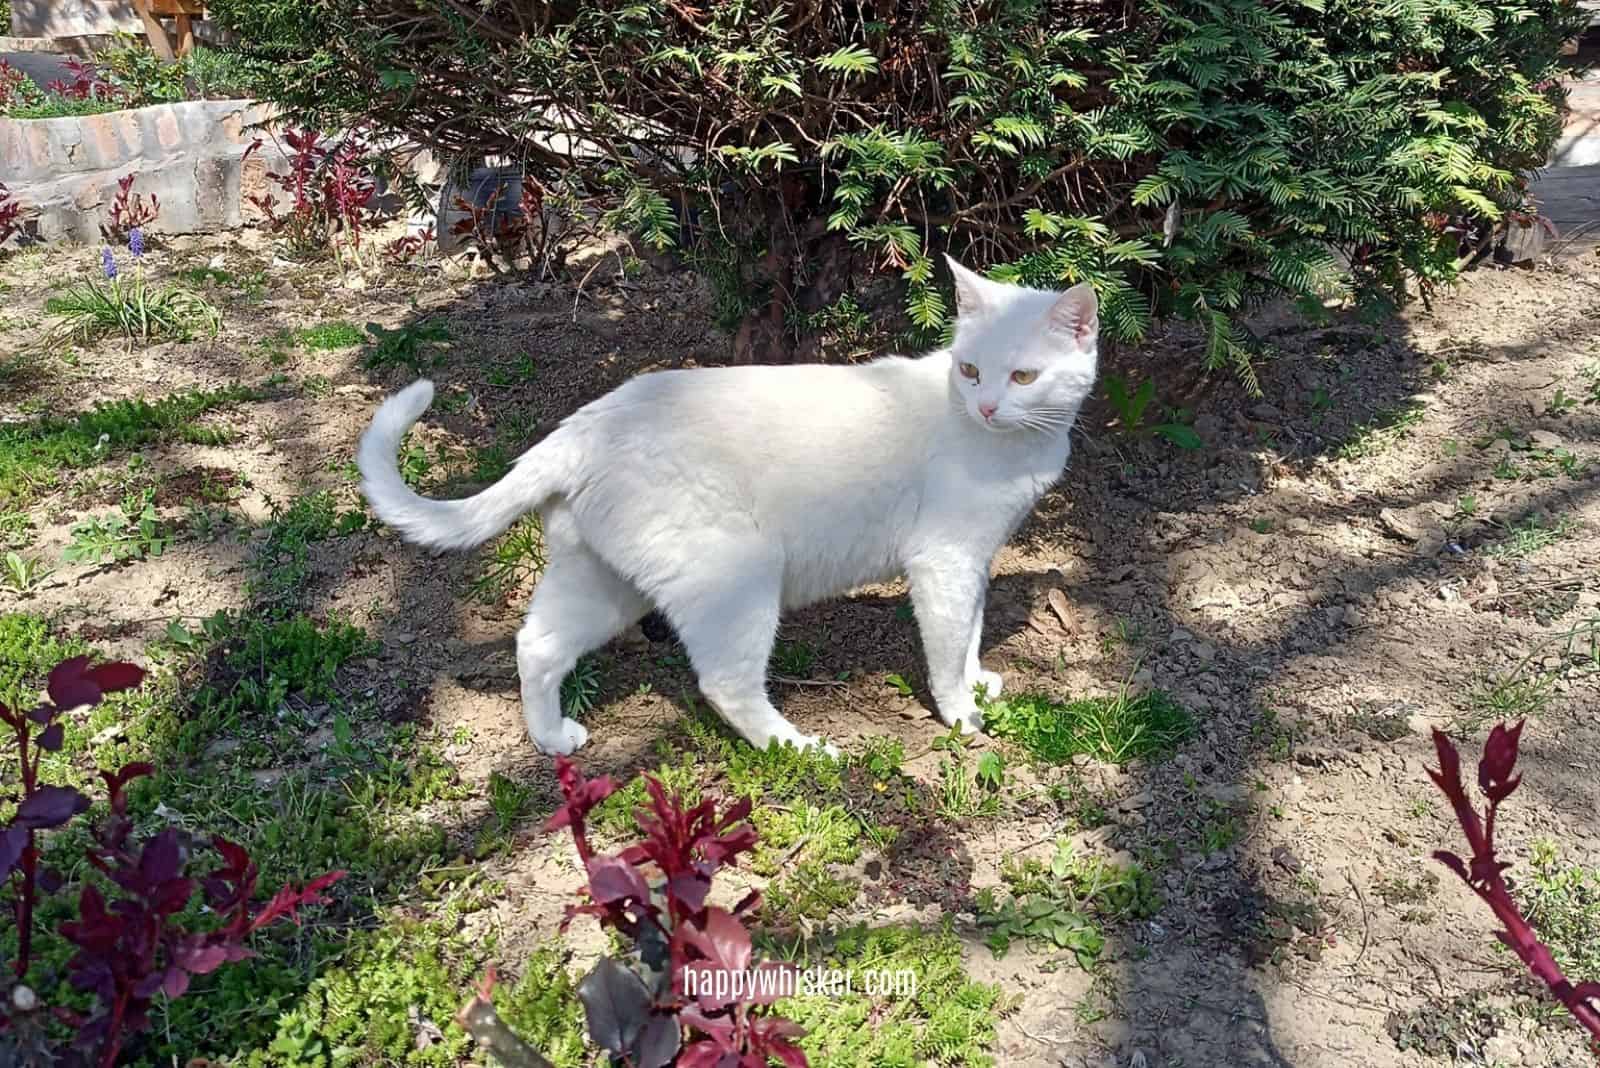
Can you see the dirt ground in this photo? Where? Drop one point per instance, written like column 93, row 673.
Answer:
column 1354, row 557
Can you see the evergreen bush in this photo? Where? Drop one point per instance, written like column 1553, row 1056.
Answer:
column 1186, row 156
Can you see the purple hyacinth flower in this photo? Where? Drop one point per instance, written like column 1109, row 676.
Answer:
column 136, row 242
column 108, row 263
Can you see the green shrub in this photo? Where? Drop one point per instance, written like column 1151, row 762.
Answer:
column 1186, row 156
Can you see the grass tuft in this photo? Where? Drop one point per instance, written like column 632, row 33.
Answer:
column 1119, row 728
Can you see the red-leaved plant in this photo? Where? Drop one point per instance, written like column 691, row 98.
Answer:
column 1483, row 871
column 129, row 212
column 10, row 215
column 133, row 947
column 16, row 89
column 662, row 1004
column 411, row 247
column 86, row 83
column 494, row 231
column 330, row 191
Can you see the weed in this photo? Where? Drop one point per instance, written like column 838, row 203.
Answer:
column 1119, row 728
column 810, row 892
column 1130, row 408
column 23, row 573
column 1561, row 403
column 1467, row 506
column 406, row 979
column 991, row 771
column 959, row 798
column 508, row 800
column 516, row 557
column 1083, row 808
column 1261, row 526
column 1529, row 535
column 281, row 564
column 1511, row 695
column 882, row 756
column 33, row 455
column 15, row 528
column 133, row 534
column 1381, row 431
column 1219, row 828
column 490, row 463
column 1397, row 890
column 793, row 658
column 581, row 688
column 1563, row 905
column 1059, row 903
column 523, row 370
column 330, row 336
column 406, row 346
column 269, row 662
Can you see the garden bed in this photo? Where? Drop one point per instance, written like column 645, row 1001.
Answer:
column 1368, row 550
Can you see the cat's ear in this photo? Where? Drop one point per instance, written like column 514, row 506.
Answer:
column 1076, row 315
column 972, row 289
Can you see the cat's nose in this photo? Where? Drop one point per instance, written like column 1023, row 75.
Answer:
column 987, row 410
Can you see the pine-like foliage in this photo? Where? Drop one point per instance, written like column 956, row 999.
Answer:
column 1185, row 156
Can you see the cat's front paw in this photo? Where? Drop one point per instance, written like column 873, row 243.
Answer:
column 964, row 713
column 991, row 682
column 568, row 738
column 786, row 733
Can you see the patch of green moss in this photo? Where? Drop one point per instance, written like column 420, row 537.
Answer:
column 933, row 1013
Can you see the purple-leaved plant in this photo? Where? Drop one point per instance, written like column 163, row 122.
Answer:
column 644, row 1009
column 1484, row 871
column 132, row 946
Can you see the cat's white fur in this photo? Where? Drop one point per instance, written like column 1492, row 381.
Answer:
column 724, row 496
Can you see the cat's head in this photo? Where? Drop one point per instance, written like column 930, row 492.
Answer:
column 1023, row 359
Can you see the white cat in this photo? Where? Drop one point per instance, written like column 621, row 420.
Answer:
column 725, row 496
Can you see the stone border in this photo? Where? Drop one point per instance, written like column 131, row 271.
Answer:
column 64, row 171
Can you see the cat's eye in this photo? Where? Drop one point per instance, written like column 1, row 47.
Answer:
column 968, row 371
column 1022, row 378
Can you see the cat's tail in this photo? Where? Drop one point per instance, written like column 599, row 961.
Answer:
column 458, row 524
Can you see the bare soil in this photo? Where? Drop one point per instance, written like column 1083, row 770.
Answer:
column 1320, row 596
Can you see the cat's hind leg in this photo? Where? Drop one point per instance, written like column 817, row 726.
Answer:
column 580, row 604
column 728, row 631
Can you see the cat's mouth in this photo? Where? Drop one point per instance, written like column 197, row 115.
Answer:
column 998, row 427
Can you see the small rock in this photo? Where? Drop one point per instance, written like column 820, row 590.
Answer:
column 107, row 734
column 1544, row 439
column 1227, row 793
column 1353, row 616
column 406, row 638
column 1284, row 858
column 1136, row 801
column 221, row 748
